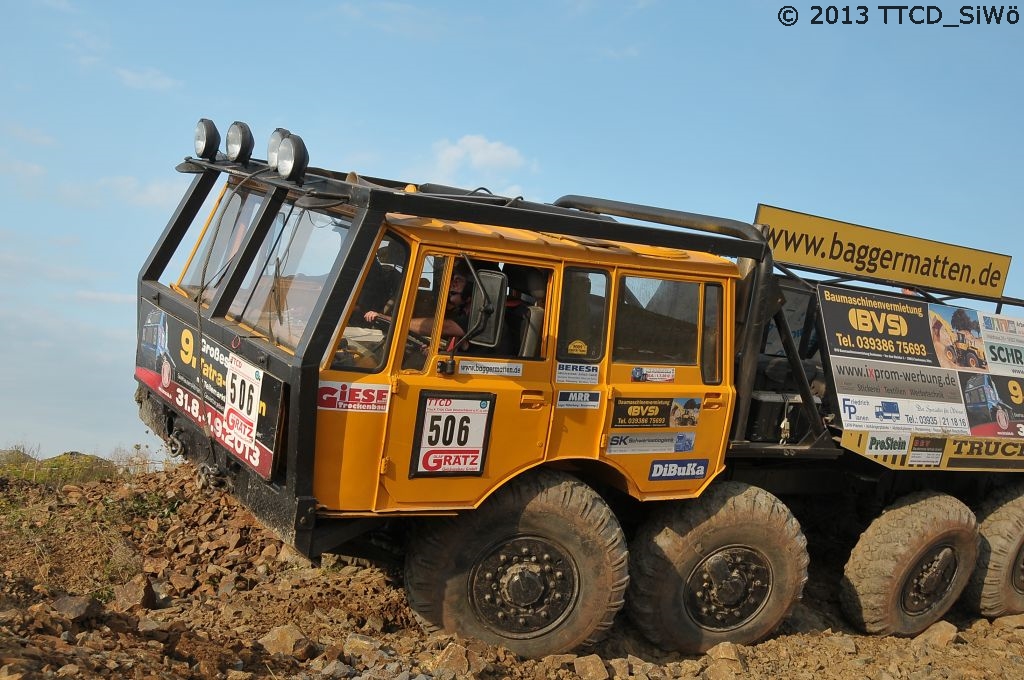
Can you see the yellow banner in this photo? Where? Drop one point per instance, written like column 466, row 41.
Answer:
column 805, row 240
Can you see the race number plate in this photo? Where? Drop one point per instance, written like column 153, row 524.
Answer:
column 452, row 432
column 242, row 398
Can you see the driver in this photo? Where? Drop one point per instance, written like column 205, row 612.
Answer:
column 456, row 311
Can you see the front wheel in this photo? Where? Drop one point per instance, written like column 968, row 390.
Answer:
column 910, row 565
column 727, row 566
column 540, row 568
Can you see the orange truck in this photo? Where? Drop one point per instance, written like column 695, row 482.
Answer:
column 557, row 411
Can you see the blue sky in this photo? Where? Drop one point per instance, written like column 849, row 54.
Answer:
column 707, row 107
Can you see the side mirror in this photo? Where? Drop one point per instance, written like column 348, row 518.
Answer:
column 487, row 308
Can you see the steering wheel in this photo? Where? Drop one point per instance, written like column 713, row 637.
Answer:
column 413, row 340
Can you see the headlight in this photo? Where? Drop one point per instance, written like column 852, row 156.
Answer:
column 239, row 143
column 292, row 158
column 276, row 137
column 207, row 139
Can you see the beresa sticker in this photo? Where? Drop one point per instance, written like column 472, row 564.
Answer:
column 577, row 374
column 569, row 399
column 337, row 396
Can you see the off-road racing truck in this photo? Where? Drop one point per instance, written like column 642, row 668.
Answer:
column 630, row 393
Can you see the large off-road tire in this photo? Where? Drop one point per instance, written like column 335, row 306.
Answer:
column 727, row 566
column 910, row 565
column 540, row 568
column 997, row 586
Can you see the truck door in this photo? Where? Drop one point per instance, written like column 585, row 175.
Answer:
column 451, row 438
column 669, row 408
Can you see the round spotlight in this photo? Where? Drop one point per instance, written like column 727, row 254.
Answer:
column 276, row 137
column 292, row 158
column 239, row 143
column 207, row 139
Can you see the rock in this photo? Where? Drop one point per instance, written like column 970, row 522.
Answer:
column 590, row 668
column 726, row 651
column 1009, row 622
column 290, row 641
column 359, row 646
column 619, row 668
column 136, row 594
column 76, row 607
column 843, row 643
column 722, row 669
column 453, row 662
column 940, row 634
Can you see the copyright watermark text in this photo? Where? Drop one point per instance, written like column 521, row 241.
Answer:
column 898, row 15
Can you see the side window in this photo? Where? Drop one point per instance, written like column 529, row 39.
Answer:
column 523, row 329
column 711, row 341
column 367, row 334
column 656, row 321
column 583, row 315
column 426, row 307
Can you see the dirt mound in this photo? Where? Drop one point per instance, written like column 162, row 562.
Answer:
column 160, row 576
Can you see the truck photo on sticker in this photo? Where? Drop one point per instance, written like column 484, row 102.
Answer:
column 452, row 431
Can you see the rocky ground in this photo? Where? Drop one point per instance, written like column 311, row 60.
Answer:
column 160, row 576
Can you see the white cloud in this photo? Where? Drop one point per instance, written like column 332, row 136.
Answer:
column 475, row 161
column 19, row 169
column 29, row 135
column 150, row 79
column 476, row 152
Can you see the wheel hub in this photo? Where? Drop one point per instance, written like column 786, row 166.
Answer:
column 728, row 588
column 930, row 580
column 524, row 586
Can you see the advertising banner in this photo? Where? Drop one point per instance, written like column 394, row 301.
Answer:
column 236, row 401
column 904, row 367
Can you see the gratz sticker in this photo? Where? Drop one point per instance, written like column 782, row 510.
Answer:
column 452, row 434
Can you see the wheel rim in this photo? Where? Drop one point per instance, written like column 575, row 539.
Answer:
column 728, row 588
column 930, row 580
column 524, row 586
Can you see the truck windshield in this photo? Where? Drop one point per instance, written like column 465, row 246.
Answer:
column 287, row 277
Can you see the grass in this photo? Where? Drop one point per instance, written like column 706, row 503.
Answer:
column 72, row 467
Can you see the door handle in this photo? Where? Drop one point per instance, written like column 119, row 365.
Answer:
column 713, row 401
column 532, row 399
